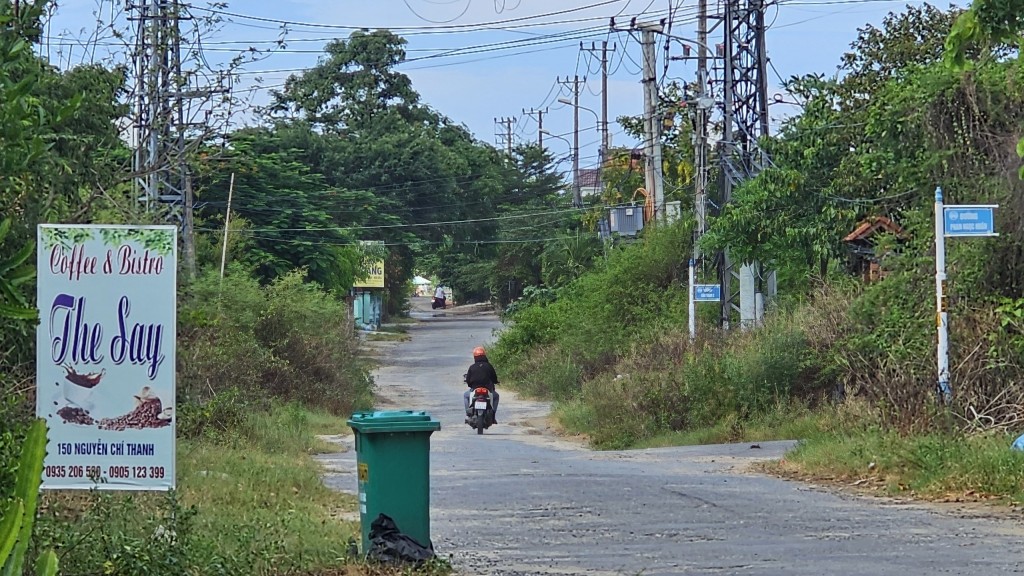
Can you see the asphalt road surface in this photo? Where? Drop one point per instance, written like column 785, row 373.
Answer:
column 518, row 501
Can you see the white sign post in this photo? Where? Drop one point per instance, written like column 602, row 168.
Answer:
column 691, row 307
column 953, row 221
column 105, row 379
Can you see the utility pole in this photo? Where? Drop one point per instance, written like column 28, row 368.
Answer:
column 510, row 140
column 725, row 268
column 540, row 124
column 504, row 137
column 654, row 178
column 700, row 161
column 606, row 141
column 701, row 145
column 652, row 117
column 577, row 196
column 703, row 102
column 188, row 228
column 227, row 227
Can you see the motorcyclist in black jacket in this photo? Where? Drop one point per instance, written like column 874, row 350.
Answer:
column 481, row 375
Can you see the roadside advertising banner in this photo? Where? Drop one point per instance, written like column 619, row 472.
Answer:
column 106, row 355
column 375, row 265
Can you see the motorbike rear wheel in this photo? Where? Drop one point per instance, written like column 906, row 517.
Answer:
column 481, row 420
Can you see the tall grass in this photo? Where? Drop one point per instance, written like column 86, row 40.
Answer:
column 667, row 387
column 252, row 503
column 934, row 465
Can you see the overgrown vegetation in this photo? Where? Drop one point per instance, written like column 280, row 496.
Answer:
column 254, row 342
column 637, row 290
column 876, row 140
column 854, row 448
column 249, row 501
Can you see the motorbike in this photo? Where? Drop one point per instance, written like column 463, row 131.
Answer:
column 481, row 412
column 438, row 303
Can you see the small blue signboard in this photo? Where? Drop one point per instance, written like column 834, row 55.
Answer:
column 707, row 292
column 969, row 220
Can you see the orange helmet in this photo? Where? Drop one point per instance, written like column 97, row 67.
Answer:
column 479, row 351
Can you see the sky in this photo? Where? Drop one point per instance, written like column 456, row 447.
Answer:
column 477, row 60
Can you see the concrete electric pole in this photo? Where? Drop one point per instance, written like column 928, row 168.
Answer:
column 703, row 104
column 606, row 141
column 575, row 104
column 540, row 124
column 575, row 83
column 653, row 177
column 652, row 116
column 504, row 137
column 700, row 199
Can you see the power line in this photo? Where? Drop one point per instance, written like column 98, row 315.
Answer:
column 512, row 44
column 413, row 225
column 421, row 17
column 473, row 27
column 411, row 243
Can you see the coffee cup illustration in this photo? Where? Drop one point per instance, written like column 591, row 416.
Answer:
column 78, row 387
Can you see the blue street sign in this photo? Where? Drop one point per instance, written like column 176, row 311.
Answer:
column 969, row 220
column 707, row 292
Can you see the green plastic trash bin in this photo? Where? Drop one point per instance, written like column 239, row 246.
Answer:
column 393, row 464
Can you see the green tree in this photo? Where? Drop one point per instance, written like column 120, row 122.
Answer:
column 875, row 141
column 353, row 87
column 437, row 185
column 287, row 208
column 993, row 24
column 536, row 211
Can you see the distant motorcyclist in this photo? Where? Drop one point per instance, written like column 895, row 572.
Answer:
column 481, row 375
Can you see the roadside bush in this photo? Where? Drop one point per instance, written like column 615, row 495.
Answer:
column 598, row 316
column 667, row 385
column 878, row 342
column 309, row 330
column 217, row 345
column 548, row 373
column 933, row 465
column 128, row 535
column 218, row 416
column 532, row 296
column 289, row 340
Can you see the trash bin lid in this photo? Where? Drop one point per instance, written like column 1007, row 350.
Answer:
column 393, row 421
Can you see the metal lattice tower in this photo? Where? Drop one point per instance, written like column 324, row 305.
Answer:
column 743, row 80
column 746, row 90
column 171, row 117
column 159, row 126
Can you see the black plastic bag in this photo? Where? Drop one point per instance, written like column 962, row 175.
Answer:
column 389, row 546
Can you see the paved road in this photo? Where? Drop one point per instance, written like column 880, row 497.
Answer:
column 517, row 502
